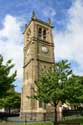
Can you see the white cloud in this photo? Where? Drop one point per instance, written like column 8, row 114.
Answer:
column 11, row 40
column 69, row 44
column 49, row 11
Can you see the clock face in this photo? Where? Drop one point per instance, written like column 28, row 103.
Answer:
column 44, row 49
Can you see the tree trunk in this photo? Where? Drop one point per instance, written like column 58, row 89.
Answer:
column 9, row 110
column 55, row 114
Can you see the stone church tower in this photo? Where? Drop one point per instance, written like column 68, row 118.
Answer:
column 38, row 55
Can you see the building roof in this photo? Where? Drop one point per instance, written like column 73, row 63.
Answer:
column 34, row 18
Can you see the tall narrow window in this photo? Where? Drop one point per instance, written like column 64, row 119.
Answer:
column 40, row 32
column 44, row 34
column 40, row 104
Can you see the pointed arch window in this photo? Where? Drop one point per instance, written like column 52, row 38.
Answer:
column 40, row 32
column 40, row 104
column 44, row 34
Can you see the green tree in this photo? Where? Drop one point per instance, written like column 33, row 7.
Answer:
column 11, row 101
column 74, row 90
column 58, row 84
column 6, row 78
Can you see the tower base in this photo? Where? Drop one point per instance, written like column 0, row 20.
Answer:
column 34, row 116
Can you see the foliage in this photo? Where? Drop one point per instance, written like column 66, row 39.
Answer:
column 51, row 84
column 8, row 97
column 59, row 84
column 74, row 90
column 6, row 79
column 11, row 101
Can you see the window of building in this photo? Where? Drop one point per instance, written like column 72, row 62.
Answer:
column 44, row 34
column 40, row 32
column 44, row 106
column 40, row 104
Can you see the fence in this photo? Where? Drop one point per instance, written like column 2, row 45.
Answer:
column 37, row 116
column 15, row 119
column 72, row 114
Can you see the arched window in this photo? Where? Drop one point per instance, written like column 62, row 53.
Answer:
column 44, row 34
column 40, row 32
column 40, row 104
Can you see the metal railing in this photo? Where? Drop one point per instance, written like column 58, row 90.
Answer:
column 25, row 118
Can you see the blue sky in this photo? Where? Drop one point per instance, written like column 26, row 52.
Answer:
column 56, row 9
column 67, row 19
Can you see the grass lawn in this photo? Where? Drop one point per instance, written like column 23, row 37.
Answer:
column 22, row 123
column 42, row 123
column 75, row 120
column 79, row 120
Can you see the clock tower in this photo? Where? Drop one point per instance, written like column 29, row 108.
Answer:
column 38, row 56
